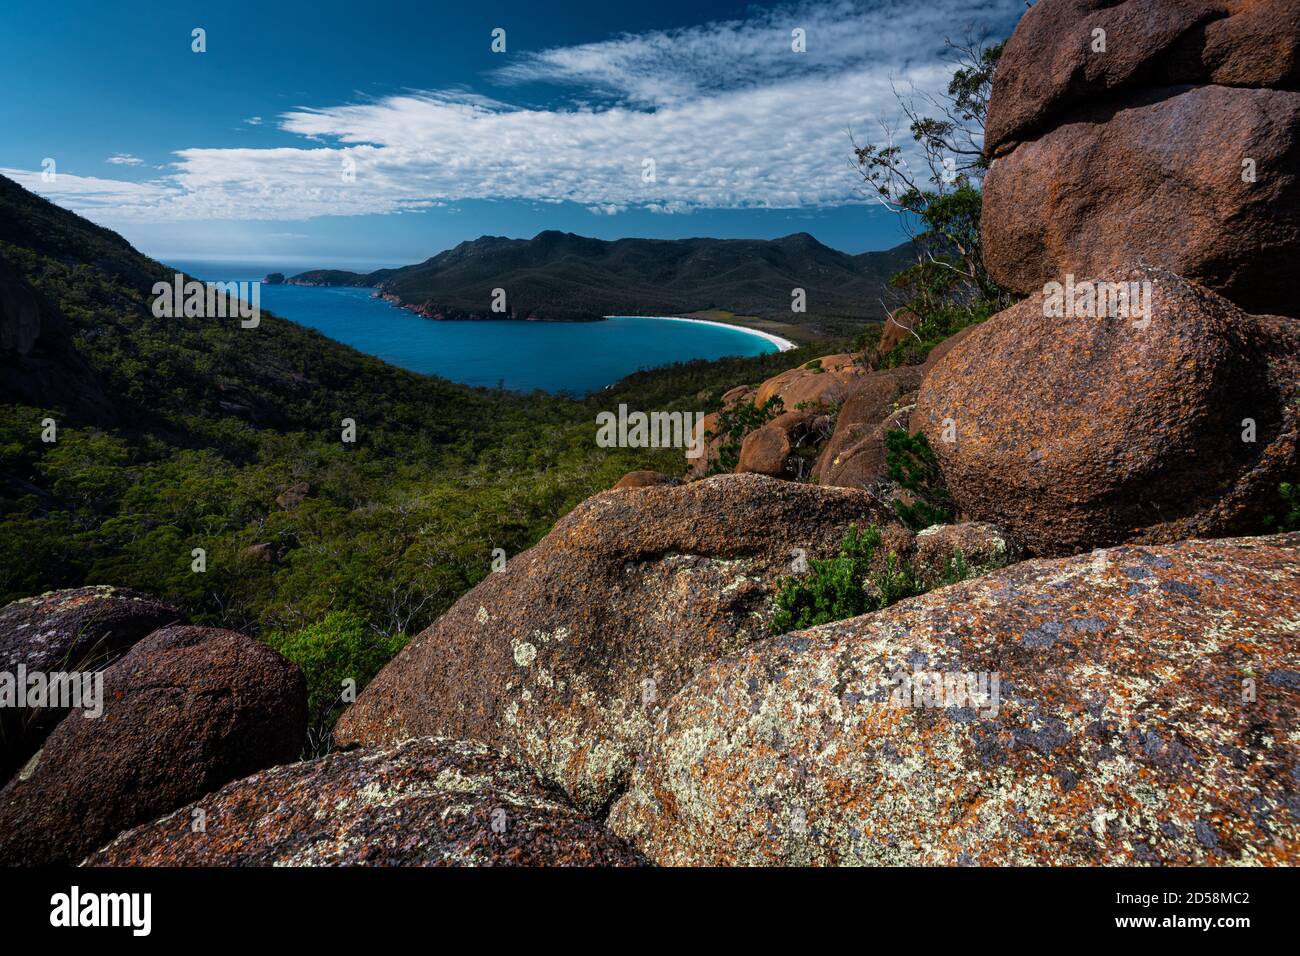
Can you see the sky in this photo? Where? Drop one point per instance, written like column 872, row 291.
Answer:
column 361, row 135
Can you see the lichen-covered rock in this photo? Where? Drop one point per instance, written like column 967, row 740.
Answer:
column 1080, row 432
column 645, row 479
column 78, row 629
column 1145, row 711
column 185, row 711
column 1054, row 60
column 424, row 802
column 980, row 547
column 1203, row 181
column 565, row 656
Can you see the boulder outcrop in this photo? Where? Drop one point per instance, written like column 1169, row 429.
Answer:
column 1203, row 181
column 1079, row 432
column 821, row 382
column 1144, row 712
column 714, row 437
column 836, row 412
column 187, row 710
column 565, row 656
column 854, row 456
column 74, row 630
column 775, row 449
column 424, row 802
column 1055, row 60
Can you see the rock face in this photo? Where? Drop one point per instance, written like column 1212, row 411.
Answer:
column 1145, row 712
column 1156, row 178
column 424, row 802
column 80, row 629
column 187, row 710
column 1074, row 433
column 982, row 547
column 1050, row 63
column 566, row 655
column 854, row 457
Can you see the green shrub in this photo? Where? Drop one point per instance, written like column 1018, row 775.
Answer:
column 1288, row 516
column 856, row 581
column 735, row 423
column 911, row 462
column 939, row 322
column 338, row 648
column 844, row 586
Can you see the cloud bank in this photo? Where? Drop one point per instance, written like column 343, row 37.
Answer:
column 720, row 115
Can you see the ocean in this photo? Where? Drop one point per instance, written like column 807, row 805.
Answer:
column 574, row 358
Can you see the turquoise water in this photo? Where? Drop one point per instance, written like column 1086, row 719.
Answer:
column 571, row 357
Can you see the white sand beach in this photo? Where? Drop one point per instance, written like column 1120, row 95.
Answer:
column 782, row 345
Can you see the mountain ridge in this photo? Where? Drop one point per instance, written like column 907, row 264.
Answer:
column 561, row 276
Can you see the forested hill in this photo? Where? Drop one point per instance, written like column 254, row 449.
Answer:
column 561, row 276
column 82, row 339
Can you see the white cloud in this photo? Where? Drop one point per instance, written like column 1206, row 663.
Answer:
column 665, row 67
column 124, row 159
column 254, row 121
column 730, row 115
column 93, row 193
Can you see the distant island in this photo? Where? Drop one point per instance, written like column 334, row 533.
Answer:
column 561, row 277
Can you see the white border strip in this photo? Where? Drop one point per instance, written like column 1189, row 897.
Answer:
column 782, row 345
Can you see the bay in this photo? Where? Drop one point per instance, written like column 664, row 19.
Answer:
column 574, row 358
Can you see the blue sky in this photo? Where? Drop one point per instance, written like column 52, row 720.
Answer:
column 380, row 133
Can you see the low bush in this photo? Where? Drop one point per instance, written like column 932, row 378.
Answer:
column 1287, row 517
column 338, row 655
column 912, row 464
column 858, row 580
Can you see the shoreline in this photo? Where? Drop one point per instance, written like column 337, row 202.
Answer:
column 782, row 345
